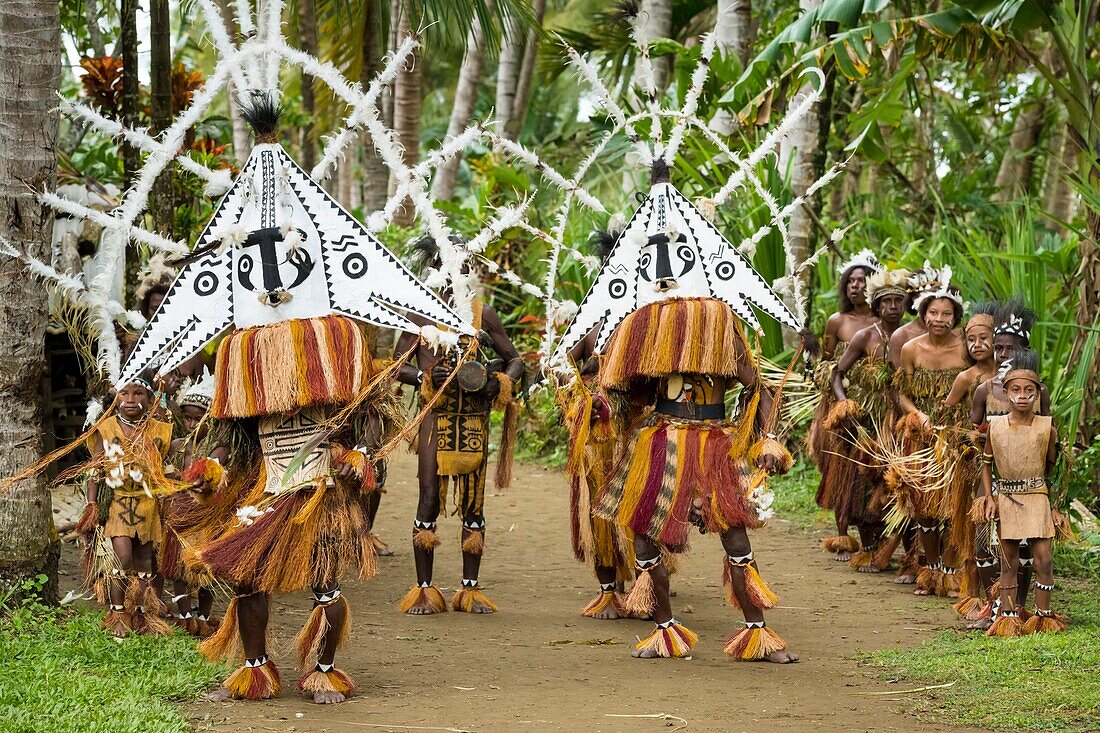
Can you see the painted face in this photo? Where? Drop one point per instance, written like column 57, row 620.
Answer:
column 891, row 308
column 939, row 316
column 857, row 285
column 192, row 415
column 664, row 262
column 979, row 343
column 133, row 401
column 1022, row 394
column 1003, row 346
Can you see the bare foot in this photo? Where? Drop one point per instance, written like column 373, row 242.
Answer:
column 479, row 607
column 221, row 694
column 785, row 656
column 923, row 592
column 843, row 556
column 421, row 609
column 644, row 654
column 328, row 697
column 981, row 624
column 608, row 614
column 868, row 569
column 906, row 579
column 380, row 548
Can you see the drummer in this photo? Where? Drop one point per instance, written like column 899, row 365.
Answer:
column 452, row 446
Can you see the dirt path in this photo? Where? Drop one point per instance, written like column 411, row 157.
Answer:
column 535, row 666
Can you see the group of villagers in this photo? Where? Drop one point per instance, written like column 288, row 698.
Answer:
column 934, row 439
column 264, row 475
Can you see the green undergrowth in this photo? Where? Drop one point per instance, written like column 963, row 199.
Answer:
column 1043, row 682
column 794, row 495
column 59, row 672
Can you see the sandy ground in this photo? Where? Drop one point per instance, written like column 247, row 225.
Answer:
column 539, row 666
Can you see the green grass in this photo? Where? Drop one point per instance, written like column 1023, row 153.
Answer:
column 794, row 496
column 59, row 672
column 1044, row 682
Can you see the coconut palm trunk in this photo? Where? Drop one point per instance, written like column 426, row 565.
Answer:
column 526, row 75
column 734, row 33
column 406, row 108
column 30, row 57
column 160, row 74
column 375, row 173
column 469, row 77
column 508, row 63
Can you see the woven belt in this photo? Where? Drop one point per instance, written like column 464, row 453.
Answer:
column 690, row 410
column 1037, row 485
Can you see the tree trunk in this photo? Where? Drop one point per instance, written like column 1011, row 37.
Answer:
column 1018, row 162
column 406, row 111
column 242, row 142
column 469, row 77
column 526, row 75
column 508, row 62
column 91, row 18
column 307, row 34
column 30, row 76
column 1059, row 199
column 131, row 156
column 656, row 22
column 375, row 173
column 733, row 33
column 160, row 72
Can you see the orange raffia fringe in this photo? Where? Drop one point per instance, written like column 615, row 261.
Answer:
column 839, row 543
column 772, row 448
column 948, row 586
column 225, row 643
column 1045, row 624
column 430, row 597
column 752, row 644
column 255, row 683
column 89, row 520
column 335, row 680
column 640, row 600
column 861, row 559
column 317, row 628
column 673, row 336
column 602, row 602
column 675, row 641
column 289, row 365
column 928, row 579
column 364, row 469
column 474, row 544
column 760, row 595
column 426, row 539
column 1006, row 626
column 967, row 606
column 207, row 469
column 465, row 598
column 119, row 623
column 843, row 414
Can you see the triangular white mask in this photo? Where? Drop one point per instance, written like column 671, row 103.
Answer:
column 670, row 250
column 293, row 252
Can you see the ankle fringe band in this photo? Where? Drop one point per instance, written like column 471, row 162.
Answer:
column 672, row 641
column 464, row 600
column 752, row 643
column 255, row 683
column 312, row 636
column 429, row 596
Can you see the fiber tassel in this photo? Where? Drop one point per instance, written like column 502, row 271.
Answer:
column 601, row 603
column 429, row 597
column 507, row 452
column 426, row 539
column 775, row 449
column 844, row 542
column 207, row 469
column 465, row 598
column 134, row 594
column 1045, row 624
column 844, row 413
column 89, row 520
column 928, row 579
column 947, row 585
column 225, row 642
column 255, row 683
column 102, row 592
column 967, row 606
column 363, row 468
column 640, row 600
column 148, row 622
column 672, row 642
column 750, row 644
column 309, row 640
column 474, row 544
column 760, row 595
column 119, row 623
column 862, row 559
column 334, row 680
column 977, row 511
column 1006, row 626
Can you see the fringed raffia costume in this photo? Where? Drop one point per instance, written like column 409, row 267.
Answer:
column 840, row 477
column 596, row 542
column 130, row 475
column 462, row 421
column 926, row 504
column 295, row 395
column 682, row 463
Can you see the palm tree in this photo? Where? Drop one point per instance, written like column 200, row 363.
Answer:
column 160, row 73
column 30, row 39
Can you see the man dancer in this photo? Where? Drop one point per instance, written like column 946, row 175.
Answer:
column 453, row 446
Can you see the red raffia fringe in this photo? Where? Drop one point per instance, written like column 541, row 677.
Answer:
column 335, row 680
column 255, row 683
column 289, row 365
column 602, row 602
column 313, row 634
column 674, row 336
column 675, row 641
column 752, row 644
column 465, row 598
column 760, row 595
column 209, row 470
column 430, row 597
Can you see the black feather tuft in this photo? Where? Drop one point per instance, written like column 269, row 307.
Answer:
column 604, row 242
column 626, row 10
column 262, row 113
column 811, row 346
